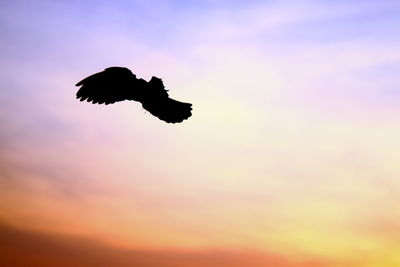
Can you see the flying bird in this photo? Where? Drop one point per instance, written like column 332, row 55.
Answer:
column 116, row 84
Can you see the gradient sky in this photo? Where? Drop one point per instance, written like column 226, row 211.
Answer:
column 292, row 153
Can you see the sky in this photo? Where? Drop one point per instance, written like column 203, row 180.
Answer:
column 289, row 160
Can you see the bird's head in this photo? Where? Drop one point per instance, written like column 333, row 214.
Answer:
column 157, row 86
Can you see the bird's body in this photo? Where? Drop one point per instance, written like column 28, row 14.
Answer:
column 118, row 84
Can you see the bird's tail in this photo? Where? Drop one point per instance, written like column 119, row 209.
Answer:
column 168, row 109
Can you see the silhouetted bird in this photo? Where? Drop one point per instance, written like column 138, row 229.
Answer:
column 118, row 84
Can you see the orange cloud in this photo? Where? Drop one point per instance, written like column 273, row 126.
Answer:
column 21, row 248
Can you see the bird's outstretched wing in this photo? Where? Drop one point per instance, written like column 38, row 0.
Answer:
column 109, row 86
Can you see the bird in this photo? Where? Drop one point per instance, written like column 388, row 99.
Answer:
column 116, row 84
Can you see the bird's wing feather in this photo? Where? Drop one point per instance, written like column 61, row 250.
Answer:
column 168, row 109
column 109, row 86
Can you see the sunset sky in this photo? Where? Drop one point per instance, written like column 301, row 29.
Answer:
column 291, row 157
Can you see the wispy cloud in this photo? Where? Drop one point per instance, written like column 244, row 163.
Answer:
column 68, row 250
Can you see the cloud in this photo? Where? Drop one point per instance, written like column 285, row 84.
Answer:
column 20, row 247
